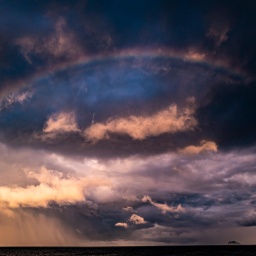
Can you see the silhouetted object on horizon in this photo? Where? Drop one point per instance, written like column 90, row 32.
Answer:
column 233, row 243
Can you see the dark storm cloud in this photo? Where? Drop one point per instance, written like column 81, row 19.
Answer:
column 228, row 116
column 127, row 121
column 61, row 32
column 33, row 32
column 176, row 24
column 248, row 222
column 96, row 92
column 220, row 199
column 18, row 20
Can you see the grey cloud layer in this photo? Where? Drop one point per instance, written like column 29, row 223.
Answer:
column 203, row 192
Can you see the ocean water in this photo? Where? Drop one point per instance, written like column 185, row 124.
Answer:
column 131, row 251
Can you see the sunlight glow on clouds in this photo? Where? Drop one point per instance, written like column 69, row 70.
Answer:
column 121, row 224
column 117, row 131
column 136, row 219
column 169, row 120
column 203, row 147
column 49, row 186
column 164, row 207
column 61, row 123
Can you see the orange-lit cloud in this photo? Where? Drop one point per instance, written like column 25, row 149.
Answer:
column 194, row 55
column 60, row 123
column 164, row 207
column 203, row 147
column 169, row 120
column 50, row 186
column 244, row 178
column 136, row 219
column 121, row 224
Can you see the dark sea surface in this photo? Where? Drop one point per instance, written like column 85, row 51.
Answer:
column 130, row 251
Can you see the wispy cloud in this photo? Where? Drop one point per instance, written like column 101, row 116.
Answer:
column 18, row 97
column 243, row 178
column 60, row 43
column 128, row 208
column 194, row 55
column 164, row 207
column 218, row 32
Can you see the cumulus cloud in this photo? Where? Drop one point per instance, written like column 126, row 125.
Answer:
column 164, row 207
column 203, row 147
column 61, row 123
column 50, row 186
column 169, row 120
column 121, row 224
column 136, row 219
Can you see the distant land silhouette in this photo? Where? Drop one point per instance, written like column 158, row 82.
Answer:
column 233, row 243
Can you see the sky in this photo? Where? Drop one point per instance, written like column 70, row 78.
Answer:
column 127, row 122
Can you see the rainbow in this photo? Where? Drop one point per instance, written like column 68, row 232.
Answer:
column 190, row 56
